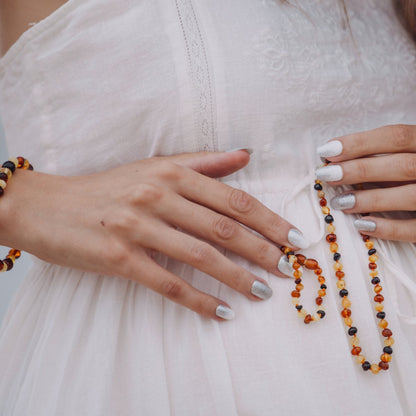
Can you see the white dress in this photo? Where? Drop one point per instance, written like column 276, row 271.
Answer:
column 98, row 84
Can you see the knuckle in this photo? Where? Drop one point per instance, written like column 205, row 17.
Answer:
column 361, row 169
column 241, row 201
column 168, row 171
column 265, row 252
column 401, row 136
column 125, row 220
column 145, row 194
column 395, row 232
column 172, row 289
column 409, row 166
column 201, row 253
column 411, row 196
column 225, row 228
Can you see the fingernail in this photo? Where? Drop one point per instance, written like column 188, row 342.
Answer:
column 261, row 290
column 332, row 148
column 329, row 173
column 285, row 267
column 345, row 201
column 365, row 225
column 297, row 239
column 249, row 150
column 224, row 312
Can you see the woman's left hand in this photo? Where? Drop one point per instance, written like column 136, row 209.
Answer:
column 393, row 171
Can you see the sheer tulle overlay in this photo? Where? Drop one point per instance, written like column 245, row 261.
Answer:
column 98, row 84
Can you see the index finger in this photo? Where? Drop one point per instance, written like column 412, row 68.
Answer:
column 399, row 138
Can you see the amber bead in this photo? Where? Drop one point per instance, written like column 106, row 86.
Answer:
column 299, row 287
column 322, row 202
column 378, row 298
column 21, row 161
column 330, row 228
column 295, row 294
column 321, row 279
column 375, row 280
column 9, row 165
column 375, row 368
column 331, row 238
column 340, row 274
column 329, row 219
column 8, row 263
column 378, row 288
column 352, row 331
column 366, row 365
column 3, row 177
column 383, row 324
column 1, row 191
column 383, row 365
column 321, row 292
column 372, row 266
column 311, row 264
column 346, row 312
column 325, row 210
column 296, row 265
column 297, row 273
column 348, row 321
column 373, row 258
column 388, row 350
column 333, row 247
column 317, row 186
column 385, row 357
column 356, row 351
column 389, row 342
column 338, row 266
column 337, row 256
column 319, row 300
column 301, row 259
column 308, row 318
column 387, row 332
column 366, row 238
column 321, row 194
column 369, row 245
column 381, row 315
column 355, row 341
column 318, row 271
column 341, row 284
column 321, row 313
column 346, row 303
column 379, row 307
column 26, row 164
column 3, row 184
column 16, row 253
column 360, row 359
column 298, row 280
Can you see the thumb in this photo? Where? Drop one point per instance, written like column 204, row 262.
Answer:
column 213, row 164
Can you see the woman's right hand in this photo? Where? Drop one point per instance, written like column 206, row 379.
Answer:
column 113, row 222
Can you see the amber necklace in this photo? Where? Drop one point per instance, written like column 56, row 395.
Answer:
column 298, row 260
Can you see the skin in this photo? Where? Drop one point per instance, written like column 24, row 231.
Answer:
column 391, row 177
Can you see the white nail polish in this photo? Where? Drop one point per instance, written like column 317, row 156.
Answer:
column 224, row 312
column 285, row 267
column 249, row 150
column 345, row 201
column 365, row 225
column 297, row 239
column 332, row 148
column 329, row 173
column 261, row 290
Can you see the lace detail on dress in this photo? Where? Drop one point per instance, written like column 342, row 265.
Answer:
column 199, row 74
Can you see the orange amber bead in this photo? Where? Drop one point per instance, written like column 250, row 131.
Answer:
column 322, row 202
column 373, row 258
column 346, row 303
column 345, row 313
column 321, row 279
column 375, row 368
column 318, row 300
column 16, row 253
column 311, row 264
column 308, row 318
column 301, row 259
column 325, row 210
column 378, row 298
column 321, row 292
column 379, row 307
column 21, row 161
column 389, row 342
column 296, row 265
column 356, row 351
column 387, row 332
column 385, row 357
column 297, row 273
column 378, row 288
column 338, row 266
column 331, row 238
column 372, row 266
column 383, row 324
column 369, row 245
column 340, row 274
column 299, row 287
column 295, row 294
column 333, row 247
column 318, row 271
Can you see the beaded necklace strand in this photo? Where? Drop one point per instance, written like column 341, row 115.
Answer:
column 298, row 260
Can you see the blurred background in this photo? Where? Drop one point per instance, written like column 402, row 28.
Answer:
column 10, row 281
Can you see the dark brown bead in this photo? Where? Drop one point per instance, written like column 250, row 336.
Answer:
column 383, row 365
column 331, row 238
column 308, row 318
column 30, row 167
column 322, row 202
column 378, row 298
column 356, row 351
column 311, row 264
column 301, row 259
column 295, row 294
column 387, row 333
column 8, row 263
column 345, row 313
column 21, row 161
column 366, row 238
column 298, row 280
column 372, row 266
column 1, row 191
column 318, row 300
column 340, row 274
column 3, row 176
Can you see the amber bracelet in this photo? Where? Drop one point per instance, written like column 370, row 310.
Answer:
column 6, row 172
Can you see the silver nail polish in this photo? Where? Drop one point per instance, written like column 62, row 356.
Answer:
column 332, row 148
column 285, row 267
column 297, row 239
column 249, row 150
column 261, row 290
column 329, row 173
column 365, row 225
column 345, row 201
column 224, row 312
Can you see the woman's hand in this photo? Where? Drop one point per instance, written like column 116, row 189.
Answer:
column 113, row 222
column 394, row 172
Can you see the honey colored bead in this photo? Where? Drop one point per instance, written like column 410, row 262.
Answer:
column 321, row 279
column 301, row 259
column 3, row 267
column 379, row 307
column 346, row 303
column 340, row 274
column 341, row 284
column 311, row 264
column 373, row 258
column 308, row 319
column 321, row 292
column 389, row 342
column 374, row 368
column 387, row 332
column 345, row 313
column 348, row 321
column 295, row 301
column 3, row 184
column 333, row 247
column 378, row 298
column 356, row 351
column 325, row 210
column 330, row 228
column 299, row 287
column 316, row 317
column 383, row 324
column 15, row 252
column 373, row 273
column 295, row 294
column 369, row 245
column 338, row 266
column 297, row 274
column 15, row 161
column 360, row 359
column 26, row 164
column 378, row 288
column 302, row 313
column 383, row 365
column 321, row 194
column 7, row 171
column 11, row 257
column 355, row 341
column 319, row 300
column 296, row 265
column 385, row 357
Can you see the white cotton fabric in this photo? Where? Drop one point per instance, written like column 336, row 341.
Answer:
column 98, row 84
